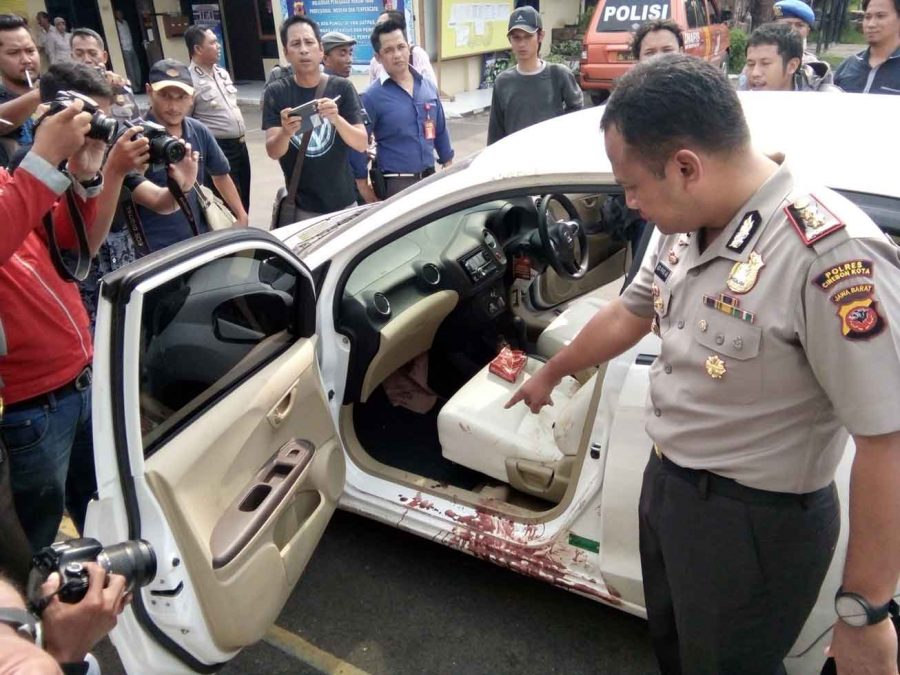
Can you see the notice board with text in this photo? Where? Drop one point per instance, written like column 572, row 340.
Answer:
column 468, row 28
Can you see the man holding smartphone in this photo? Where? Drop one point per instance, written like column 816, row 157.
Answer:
column 326, row 183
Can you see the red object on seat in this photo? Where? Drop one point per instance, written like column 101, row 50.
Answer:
column 508, row 364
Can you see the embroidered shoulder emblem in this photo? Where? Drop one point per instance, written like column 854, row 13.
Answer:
column 845, row 270
column 811, row 219
column 860, row 319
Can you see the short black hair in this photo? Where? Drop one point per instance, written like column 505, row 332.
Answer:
column 89, row 33
column 787, row 41
column 651, row 27
column 397, row 16
column 662, row 105
column 12, row 22
column 865, row 6
column 299, row 18
column 194, row 37
column 74, row 77
column 384, row 28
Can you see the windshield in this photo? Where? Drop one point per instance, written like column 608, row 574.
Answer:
column 628, row 15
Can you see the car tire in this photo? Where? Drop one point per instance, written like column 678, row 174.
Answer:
column 599, row 96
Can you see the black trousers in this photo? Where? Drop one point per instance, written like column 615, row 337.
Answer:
column 236, row 152
column 730, row 573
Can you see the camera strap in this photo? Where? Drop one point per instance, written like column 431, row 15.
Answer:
column 183, row 203
column 83, row 261
column 133, row 223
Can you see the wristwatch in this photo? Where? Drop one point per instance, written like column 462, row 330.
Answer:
column 23, row 622
column 854, row 610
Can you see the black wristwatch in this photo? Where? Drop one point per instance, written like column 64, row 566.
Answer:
column 854, row 610
column 23, row 622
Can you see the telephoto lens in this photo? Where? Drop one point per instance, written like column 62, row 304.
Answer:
column 134, row 560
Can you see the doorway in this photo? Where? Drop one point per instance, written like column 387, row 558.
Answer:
column 249, row 40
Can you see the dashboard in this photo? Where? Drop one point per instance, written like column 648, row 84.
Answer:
column 396, row 298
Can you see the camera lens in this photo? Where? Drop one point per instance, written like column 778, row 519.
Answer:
column 103, row 128
column 166, row 150
column 134, row 560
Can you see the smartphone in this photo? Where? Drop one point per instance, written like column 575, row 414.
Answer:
column 310, row 114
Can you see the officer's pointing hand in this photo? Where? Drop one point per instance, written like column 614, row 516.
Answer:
column 535, row 392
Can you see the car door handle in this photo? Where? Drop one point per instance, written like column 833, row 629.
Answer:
column 282, row 409
column 252, row 508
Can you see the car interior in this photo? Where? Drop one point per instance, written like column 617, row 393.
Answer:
column 426, row 313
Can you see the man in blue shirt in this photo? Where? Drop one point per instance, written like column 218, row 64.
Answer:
column 406, row 114
column 875, row 70
column 171, row 92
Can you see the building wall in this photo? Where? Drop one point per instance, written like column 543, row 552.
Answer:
column 557, row 14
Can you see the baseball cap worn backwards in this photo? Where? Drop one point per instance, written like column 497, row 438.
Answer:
column 525, row 18
column 794, row 9
column 170, row 73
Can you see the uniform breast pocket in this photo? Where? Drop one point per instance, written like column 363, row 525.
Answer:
column 729, row 349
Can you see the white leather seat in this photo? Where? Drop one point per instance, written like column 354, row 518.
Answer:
column 563, row 329
column 476, row 432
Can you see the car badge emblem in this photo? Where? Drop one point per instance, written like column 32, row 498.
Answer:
column 744, row 274
column 715, row 367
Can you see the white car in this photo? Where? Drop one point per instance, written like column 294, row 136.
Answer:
column 240, row 379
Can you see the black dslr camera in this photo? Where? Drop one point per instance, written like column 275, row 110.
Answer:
column 103, row 128
column 164, row 149
column 134, row 560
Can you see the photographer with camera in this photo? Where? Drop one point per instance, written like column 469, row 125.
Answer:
column 88, row 48
column 171, row 93
column 68, row 631
column 46, row 373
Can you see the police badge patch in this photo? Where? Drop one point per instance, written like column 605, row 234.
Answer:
column 860, row 319
column 811, row 219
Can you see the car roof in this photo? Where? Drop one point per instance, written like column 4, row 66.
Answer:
column 819, row 133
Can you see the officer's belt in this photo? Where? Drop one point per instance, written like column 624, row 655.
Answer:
column 708, row 482
column 417, row 176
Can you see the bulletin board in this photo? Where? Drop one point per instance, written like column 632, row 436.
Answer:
column 19, row 7
column 470, row 27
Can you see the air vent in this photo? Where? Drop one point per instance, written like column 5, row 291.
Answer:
column 381, row 305
column 431, row 274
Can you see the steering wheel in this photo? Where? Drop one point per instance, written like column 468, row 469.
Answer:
column 564, row 242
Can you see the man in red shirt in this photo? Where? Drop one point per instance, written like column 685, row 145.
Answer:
column 46, row 370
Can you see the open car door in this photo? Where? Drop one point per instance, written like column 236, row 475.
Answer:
column 213, row 442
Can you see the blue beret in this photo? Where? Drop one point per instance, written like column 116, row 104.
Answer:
column 795, row 8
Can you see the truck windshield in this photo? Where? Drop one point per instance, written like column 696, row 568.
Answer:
column 628, row 15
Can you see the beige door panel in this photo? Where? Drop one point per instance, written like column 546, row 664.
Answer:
column 248, row 489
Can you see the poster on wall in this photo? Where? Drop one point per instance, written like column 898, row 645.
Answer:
column 210, row 16
column 19, row 7
column 351, row 17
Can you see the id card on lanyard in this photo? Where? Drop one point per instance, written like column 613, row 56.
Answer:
column 429, row 127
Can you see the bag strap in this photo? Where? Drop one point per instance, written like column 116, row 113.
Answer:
column 304, row 144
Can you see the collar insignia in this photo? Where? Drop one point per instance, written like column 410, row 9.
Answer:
column 811, row 219
column 749, row 224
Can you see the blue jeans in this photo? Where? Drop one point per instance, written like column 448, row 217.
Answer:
column 51, row 457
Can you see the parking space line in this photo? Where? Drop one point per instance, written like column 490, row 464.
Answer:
column 293, row 645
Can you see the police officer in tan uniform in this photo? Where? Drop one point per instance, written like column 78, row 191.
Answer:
column 778, row 305
column 216, row 105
